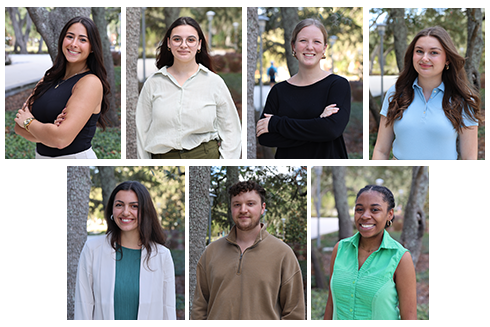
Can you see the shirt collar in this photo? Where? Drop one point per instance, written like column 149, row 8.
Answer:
column 262, row 234
column 416, row 84
column 164, row 71
column 386, row 243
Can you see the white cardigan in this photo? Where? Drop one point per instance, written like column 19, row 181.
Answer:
column 94, row 293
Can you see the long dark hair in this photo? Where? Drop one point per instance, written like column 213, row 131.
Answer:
column 95, row 62
column 165, row 56
column 460, row 98
column 151, row 232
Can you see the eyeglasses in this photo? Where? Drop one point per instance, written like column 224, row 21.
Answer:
column 177, row 41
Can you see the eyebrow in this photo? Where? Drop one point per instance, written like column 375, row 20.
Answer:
column 418, row 46
column 71, row 33
column 123, row 201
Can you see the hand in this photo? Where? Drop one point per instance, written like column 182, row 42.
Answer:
column 22, row 115
column 263, row 125
column 60, row 118
column 329, row 110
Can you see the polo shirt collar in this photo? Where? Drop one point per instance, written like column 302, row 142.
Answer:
column 386, row 243
column 416, row 84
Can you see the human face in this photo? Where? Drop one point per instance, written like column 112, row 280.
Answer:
column 371, row 214
column 309, row 46
column 184, row 43
column 125, row 211
column 246, row 210
column 429, row 57
column 76, row 45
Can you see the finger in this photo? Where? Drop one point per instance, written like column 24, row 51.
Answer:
column 267, row 115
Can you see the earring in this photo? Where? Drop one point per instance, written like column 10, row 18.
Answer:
column 112, row 217
column 447, row 66
column 324, row 56
column 389, row 223
column 198, row 50
column 294, row 54
column 169, row 49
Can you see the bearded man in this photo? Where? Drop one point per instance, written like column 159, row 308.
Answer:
column 248, row 274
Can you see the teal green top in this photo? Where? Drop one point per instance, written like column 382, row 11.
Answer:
column 368, row 293
column 127, row 285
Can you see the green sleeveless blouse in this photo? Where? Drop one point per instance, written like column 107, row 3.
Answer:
column 368, row 293
column 127, row 285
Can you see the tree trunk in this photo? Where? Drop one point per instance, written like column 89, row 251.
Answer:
column 474, row 46
column 252, row 35
column 132, row 38
column 414, row 219
column 78, row 192
column 374, row 109
column 98, row 14
column 107, row 182
column 400, row 34
column 231, row 178
column 199, row 206
column 340, row 195
column 170, row 15
column 50, row 23
column 17, row 23
column 316, row 261
column 289, row 20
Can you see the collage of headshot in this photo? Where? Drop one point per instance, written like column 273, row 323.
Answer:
column 147, row 229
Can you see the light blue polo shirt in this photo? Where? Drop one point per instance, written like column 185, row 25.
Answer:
column 424, row 132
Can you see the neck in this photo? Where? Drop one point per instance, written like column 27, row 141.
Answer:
column 131, row 240
column 428, row 84
column 72, row 69
column 371, row 244
column 249, row 236
column 183, row 68
column 310, row 75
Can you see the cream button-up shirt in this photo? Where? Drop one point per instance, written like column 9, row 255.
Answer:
column 170, row 116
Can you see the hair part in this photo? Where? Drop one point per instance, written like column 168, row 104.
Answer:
column 95, row 63
column 164, row 57
column 151, row 232
column 247, row 186
column 460, row 98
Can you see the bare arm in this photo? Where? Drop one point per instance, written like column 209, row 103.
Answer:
column 85, row 100
column 406, row 286
column 329, row 308
column 384, row 141
column 468, row 143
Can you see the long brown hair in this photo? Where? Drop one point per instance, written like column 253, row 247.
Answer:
column 95, row 62
column 165, row 56
column 151, row 232
column 460, row 98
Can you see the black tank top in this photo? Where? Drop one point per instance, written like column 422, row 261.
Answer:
column 47, row 107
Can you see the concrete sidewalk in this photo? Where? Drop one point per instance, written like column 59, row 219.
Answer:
column 25, row 71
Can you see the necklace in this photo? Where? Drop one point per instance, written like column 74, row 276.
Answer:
column 64, row 80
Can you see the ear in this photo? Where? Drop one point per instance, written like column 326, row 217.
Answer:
column 263, row 209
column 391, row 213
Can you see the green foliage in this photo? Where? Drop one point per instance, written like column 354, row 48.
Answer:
column 106, row 144
column 165, row 184
column 318, row 303
column 286, row 198
column 178, row 257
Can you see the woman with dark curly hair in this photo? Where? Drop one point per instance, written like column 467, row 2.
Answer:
column 185, row 110
column 62, row 113
column 431, row 105
column 127, row 274
column 372, row 276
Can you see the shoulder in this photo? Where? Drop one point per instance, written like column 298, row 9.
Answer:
column 96, row 242
column 162, row 251
column 277, row 246
column 90, row 80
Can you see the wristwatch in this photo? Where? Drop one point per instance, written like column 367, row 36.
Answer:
column 27, row 122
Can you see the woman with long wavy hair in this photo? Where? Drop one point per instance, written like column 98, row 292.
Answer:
column 127, row 274
column 432, row 104
column 185, row 110
column 62, row 112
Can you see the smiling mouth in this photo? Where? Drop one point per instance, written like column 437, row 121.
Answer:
column 73, row 52
column 367, row 226
column 126, row 220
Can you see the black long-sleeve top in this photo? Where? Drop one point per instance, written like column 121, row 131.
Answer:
column 296, row 128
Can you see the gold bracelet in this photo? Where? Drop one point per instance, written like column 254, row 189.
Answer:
column 27, row 122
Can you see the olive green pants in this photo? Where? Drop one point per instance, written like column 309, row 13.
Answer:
column 208, row 150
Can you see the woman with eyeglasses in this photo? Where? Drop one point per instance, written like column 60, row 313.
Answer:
column 185, row 110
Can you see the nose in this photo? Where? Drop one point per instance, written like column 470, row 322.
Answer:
column 243, row 208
